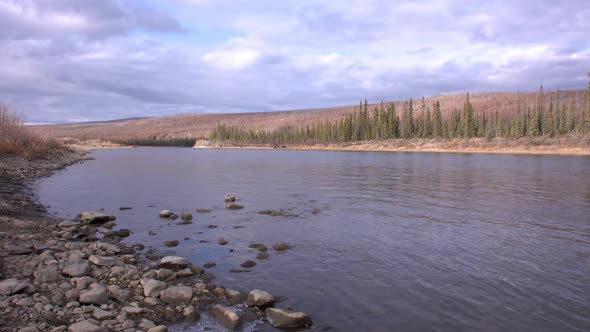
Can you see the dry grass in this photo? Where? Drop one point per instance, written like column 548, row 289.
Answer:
column 17, row 139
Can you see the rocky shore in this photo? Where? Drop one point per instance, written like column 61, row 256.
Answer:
column 77, row 275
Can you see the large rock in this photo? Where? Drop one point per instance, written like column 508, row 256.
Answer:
column 259, row 298
column 226, row 317
column 95, row 295
column 100, row 314
column 174, row 262
column 153, row 288
column 229, row 198
column 76, row 268
column 186, row 216
column 91, row 218
column 86, row 326
column 108, row 247
column 47, row 274
column 177, row 295
column 12, row 286
column 102, row 260
column 287, row 319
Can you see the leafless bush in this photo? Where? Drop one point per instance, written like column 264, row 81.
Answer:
column 16, row 139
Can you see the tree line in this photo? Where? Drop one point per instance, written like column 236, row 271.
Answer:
column 545, row 117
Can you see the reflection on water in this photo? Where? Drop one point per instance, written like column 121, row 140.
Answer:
column 403, row 241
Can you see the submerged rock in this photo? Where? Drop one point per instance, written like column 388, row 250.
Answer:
column 280, row 246
column 233, row 206
column 248, row 264
column 91, row 218
column 186, row 216
column 123, row 232
column 226, row 317
column 209, row 265
column 262, row 255
column 202, row 210
column 171, row 243
column 222, row 241
column 287, row 319
column 259, row 298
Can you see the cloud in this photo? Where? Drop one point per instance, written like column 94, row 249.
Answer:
column 69, row 60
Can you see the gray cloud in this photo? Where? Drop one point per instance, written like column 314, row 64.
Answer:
column 72, row 60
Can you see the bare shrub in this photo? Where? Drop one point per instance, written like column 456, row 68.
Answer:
column 16, row 139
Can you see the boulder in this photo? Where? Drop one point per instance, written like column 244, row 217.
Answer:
column 25, row 302
column 76, row 268
column 235, row 295
column 153, row 288
column 159, row 328
column 177, row 295
column 287, row 319
column 100, row 314
column 108, row 247
column 92, row 218
column 47, row 274
column 12, row 286
column 229, row 198
column 86, row 326
column 186, row 216
column 96, row 295
column 259, row 298
column 102, row 260
column 226, row 317
column 174, row 262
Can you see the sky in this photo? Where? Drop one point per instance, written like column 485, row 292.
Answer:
column 72, row 61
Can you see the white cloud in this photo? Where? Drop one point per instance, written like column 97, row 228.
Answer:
column 110, row 59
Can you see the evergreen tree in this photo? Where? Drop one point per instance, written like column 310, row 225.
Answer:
column 437, row 127
column 468, row 122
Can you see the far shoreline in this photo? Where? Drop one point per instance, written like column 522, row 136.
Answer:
column 477, row 146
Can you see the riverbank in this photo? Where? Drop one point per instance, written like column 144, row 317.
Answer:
column 570, row 145
column 78, row 275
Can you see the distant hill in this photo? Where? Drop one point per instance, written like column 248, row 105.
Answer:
column 201, row 125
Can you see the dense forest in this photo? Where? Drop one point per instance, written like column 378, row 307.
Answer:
column 546, row 116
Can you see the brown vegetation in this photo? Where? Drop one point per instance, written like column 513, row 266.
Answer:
column 201, row 125
column 17, row 139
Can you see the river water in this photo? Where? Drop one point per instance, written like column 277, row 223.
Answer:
column 402, row 241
